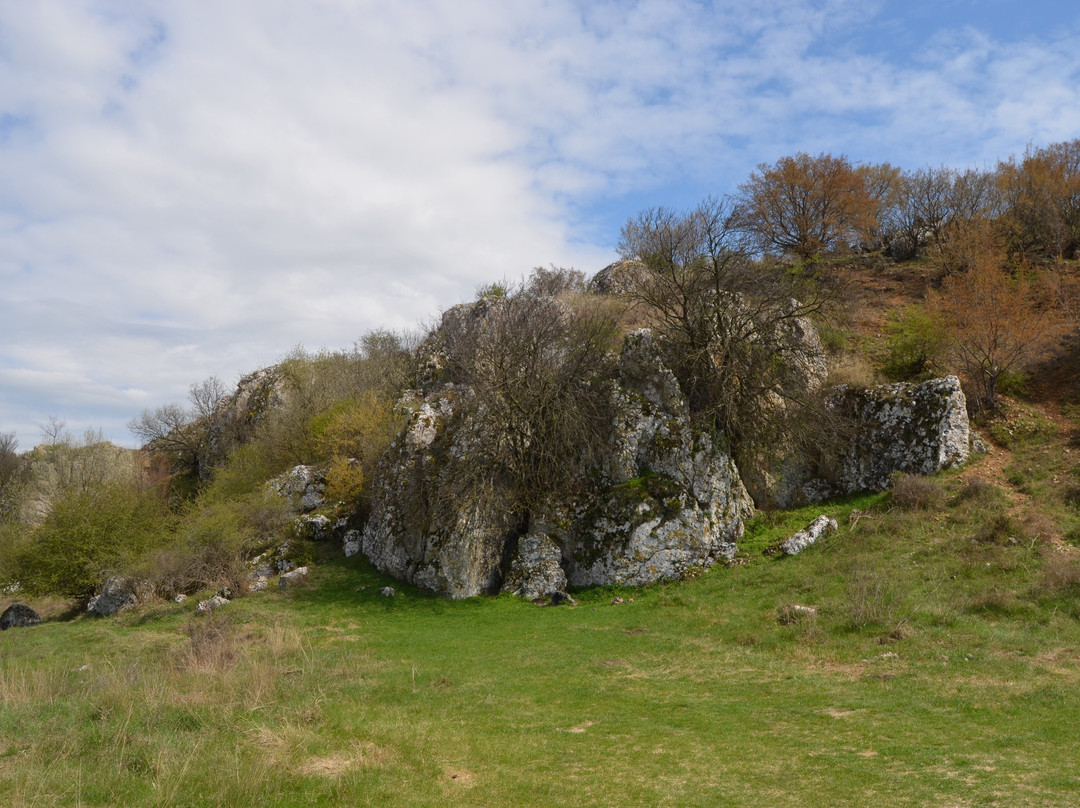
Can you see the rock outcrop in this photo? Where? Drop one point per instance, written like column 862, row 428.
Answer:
column 665, row 499
column 913, row 428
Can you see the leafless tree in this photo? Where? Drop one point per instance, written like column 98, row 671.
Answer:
column 182, row 432
column 735, row 331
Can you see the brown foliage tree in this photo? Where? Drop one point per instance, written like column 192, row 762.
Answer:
column 997, row 322
column 1042, row 200
column 805, row 206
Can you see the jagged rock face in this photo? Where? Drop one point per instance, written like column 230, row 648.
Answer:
column 665, row 500
column 236, row 417
column 420, row 530
column 917, row 429
column 619, row 278
column 672, row 499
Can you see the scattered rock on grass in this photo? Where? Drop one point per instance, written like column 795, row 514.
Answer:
column 209, row 605
column 117, row 594
column 387, row 592
column 808, row 535
column 18, row 615
column 293, row 578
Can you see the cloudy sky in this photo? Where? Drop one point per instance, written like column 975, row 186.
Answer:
column 191, row 188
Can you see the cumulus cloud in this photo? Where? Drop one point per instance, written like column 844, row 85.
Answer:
column 190, row 189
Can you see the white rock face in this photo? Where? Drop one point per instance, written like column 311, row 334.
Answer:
column 918, row 429
column 664, row 501
column 914, row 428
column 534, row 569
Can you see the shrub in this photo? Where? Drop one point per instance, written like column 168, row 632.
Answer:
column 88, row 535
column 913, row 492
column 916, row 344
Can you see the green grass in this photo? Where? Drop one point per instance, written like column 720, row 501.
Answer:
column 942, row 668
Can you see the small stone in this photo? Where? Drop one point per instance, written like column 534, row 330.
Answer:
column 215, row 602
column 294, row 578
column 225, row 592
column 180, row 598
column 387, row 592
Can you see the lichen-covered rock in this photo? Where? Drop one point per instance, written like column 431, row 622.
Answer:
column 808, row 535
column 117, row 594
column 423, row 531
column 302, row 485
column 312, row 528
column 534, row 568
column 18, row 615
column 665, row 499
column 913, row 428
column 917, row 429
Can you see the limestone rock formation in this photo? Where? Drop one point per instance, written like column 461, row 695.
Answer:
column 918, row 429
column 665, row 500
column 913, row 428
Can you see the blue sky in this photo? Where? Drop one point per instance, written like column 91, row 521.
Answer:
column 192, row 189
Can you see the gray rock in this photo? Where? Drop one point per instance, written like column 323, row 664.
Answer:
column 259, row 583
column 216, row 602
column 296, row 577
column 180, row 598
column 352, row 543
column 312, row 528
column 665, row 500
column 18, row 615
column 117, row 594
column 302, row 485
column 387, row 592
column 917, row 429
column 808, row 535
column 534, row 569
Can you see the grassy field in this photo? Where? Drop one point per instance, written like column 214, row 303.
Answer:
column 941, row 669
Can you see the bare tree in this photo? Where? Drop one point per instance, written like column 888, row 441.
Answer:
column 735, row 332
column 12, row 472
column 180, row 432
column 533, row 371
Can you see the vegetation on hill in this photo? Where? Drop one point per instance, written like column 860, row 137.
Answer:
column 938, row 664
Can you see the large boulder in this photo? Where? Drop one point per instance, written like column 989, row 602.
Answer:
column 913, row 428
column 665, row 499
column 868, row 435
column 18, row 615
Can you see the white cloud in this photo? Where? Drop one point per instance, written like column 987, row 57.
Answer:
column 190, row 189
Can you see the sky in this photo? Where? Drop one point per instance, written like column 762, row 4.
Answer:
column 191, row 189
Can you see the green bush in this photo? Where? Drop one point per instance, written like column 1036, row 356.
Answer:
column 915, row 345
column 88, row 535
